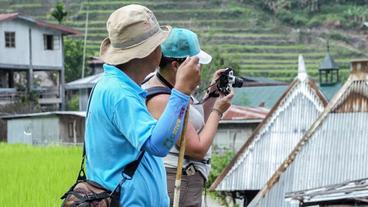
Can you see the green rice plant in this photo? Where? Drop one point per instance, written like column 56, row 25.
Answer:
column 157, row 5
column 274, row 55
column 254, row 35
column 289, row 46
column 36, row 175
column 23, row 6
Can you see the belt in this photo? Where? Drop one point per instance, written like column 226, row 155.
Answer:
column 189, row 170
column 188, row 158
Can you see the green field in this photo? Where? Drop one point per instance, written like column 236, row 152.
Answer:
column 36, row 176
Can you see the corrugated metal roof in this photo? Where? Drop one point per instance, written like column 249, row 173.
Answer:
column 18, row 116
column 330, row 90
column 333, row 150
column 265, row 96
column 261, row 81
column 275, row 137
column 87, row 82
column 244, row 113
column 59, row 27
column 353, row 190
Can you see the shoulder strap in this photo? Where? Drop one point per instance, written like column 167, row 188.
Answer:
column 157, row 90
column 82, row 172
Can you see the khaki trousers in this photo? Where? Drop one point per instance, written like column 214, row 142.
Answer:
column 190, row 190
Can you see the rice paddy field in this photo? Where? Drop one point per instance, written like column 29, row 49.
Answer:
column 36, row 176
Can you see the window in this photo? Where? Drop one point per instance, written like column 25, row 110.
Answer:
column 48, row 42
column 10, row 39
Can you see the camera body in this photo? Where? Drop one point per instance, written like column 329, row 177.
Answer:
column 227, row 80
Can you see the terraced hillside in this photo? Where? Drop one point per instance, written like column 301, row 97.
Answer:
column 258, row 43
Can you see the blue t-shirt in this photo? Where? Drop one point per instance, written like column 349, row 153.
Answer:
column 117, row 126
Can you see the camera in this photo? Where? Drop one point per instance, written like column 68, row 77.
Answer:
column 228, row 80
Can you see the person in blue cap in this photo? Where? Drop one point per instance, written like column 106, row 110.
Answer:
column 203, row 119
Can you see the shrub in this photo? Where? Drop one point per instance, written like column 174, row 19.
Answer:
column 340, row 37
column 315, row 21
column 73, row 103
column 219, row 162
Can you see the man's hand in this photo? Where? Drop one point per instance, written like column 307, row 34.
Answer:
column 188, row 76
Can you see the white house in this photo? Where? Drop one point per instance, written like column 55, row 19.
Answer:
column 31, row 59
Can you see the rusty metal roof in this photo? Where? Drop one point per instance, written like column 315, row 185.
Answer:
column 275, row 137
column 8, row 16
column 59, row 27
column 333, row 150
column 244, row 113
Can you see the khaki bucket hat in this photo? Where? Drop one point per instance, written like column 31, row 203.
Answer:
column 133, row 33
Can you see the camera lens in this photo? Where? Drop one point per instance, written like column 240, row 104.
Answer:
column 238, row 83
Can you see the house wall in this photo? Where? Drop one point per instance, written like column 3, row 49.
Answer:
column 20, row 54
column 230, row 137
column 42, row 57
column 33, row 130
column 71, row 129
column 83, row 99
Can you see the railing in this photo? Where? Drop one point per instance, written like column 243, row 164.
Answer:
column 44, row 95
column 9, row 95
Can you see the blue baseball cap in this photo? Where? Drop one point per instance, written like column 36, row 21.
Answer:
column 182, row 43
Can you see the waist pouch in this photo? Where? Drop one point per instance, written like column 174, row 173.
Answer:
column 86, row 193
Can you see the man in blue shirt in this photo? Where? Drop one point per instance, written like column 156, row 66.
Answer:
column 118, row 125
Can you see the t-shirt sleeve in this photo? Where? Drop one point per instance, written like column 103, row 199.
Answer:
column 133, row 120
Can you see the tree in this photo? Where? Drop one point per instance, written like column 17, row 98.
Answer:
column 73, row 59
column 58, row 12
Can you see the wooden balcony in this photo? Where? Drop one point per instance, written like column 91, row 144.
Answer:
column 44, row 95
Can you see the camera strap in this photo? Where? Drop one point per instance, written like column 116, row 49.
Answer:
column 164, row 81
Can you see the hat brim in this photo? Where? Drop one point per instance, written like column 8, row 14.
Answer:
column 117, row 56
column 204, row 58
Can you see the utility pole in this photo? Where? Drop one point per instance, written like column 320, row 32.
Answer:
column 85, row 41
